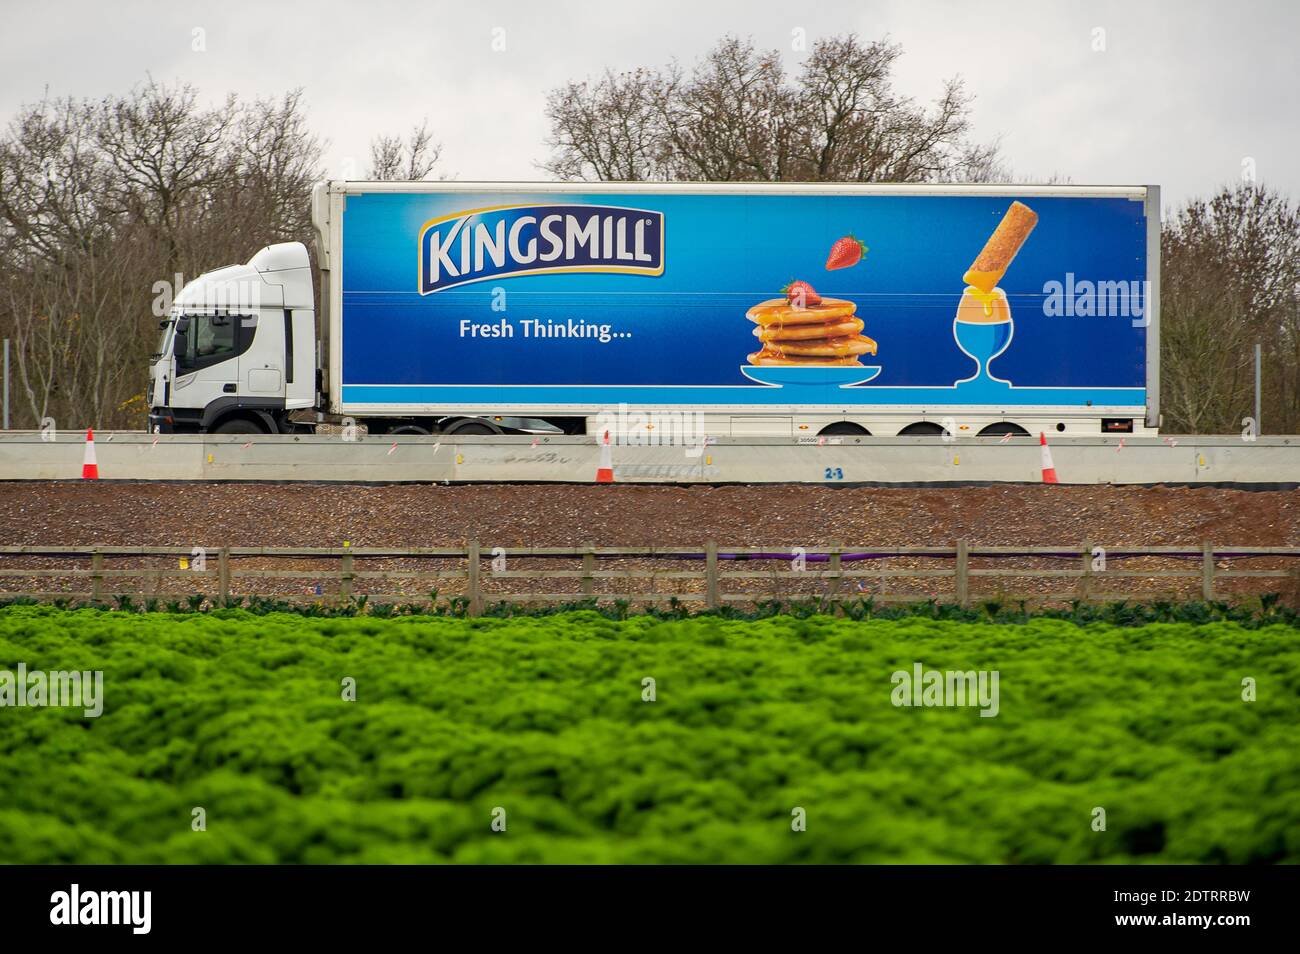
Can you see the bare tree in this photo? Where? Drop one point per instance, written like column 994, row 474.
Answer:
column 737, row 116
column 608, row 129
column 100, row 200
column 1230, row 278
column 412, row 160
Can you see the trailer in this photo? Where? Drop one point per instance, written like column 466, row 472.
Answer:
column 725, row 309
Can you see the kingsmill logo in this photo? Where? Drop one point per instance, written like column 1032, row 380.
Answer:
column 482, row 244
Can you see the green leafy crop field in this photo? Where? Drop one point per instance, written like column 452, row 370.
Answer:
column 544, row 724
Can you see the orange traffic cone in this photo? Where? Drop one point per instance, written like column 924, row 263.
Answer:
column 89, row 466
column 605, row 472
column 1049, row 469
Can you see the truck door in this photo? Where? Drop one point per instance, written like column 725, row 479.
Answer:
column 261, row 364
column 207, row 366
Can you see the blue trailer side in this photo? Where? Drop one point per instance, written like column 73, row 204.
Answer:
column 451, row 301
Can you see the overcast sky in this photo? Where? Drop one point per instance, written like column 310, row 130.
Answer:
column 1181, row 95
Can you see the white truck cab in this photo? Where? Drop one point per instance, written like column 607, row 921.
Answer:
column 238, row 350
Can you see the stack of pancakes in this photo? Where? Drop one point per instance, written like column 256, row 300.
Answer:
column 823, row 334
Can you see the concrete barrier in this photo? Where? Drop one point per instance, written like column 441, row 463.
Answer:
column 132, row 455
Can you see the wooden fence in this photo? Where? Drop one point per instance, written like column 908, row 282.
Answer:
column 707, row 577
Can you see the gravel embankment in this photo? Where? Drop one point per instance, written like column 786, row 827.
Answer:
column 779, row 516
column 557, row 515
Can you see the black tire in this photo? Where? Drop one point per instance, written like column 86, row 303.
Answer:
column 473, row 427
column 415, row 429
column 1001, row 428
column 922, row 429
column 239, row 425
column 844, row 428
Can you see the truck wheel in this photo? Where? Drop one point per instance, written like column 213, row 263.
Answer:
column 410, row 429
column 922, row 429
column 845, row 428
column 238, row 425
column 473, row 427
column 1003, row 427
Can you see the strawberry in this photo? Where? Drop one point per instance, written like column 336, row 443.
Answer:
column 846, row 252
column 801, row 294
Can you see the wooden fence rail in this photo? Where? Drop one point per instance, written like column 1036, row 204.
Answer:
column 711, row 576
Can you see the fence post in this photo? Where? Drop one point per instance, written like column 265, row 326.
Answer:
column 963, row 573
column 345, row 578
column 97, row 576
column 223, row 575
column 711, row 600
column 472, row 578
column 1085, row 580
column 1207, row 572
column 836, row 565
column 588, row 568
